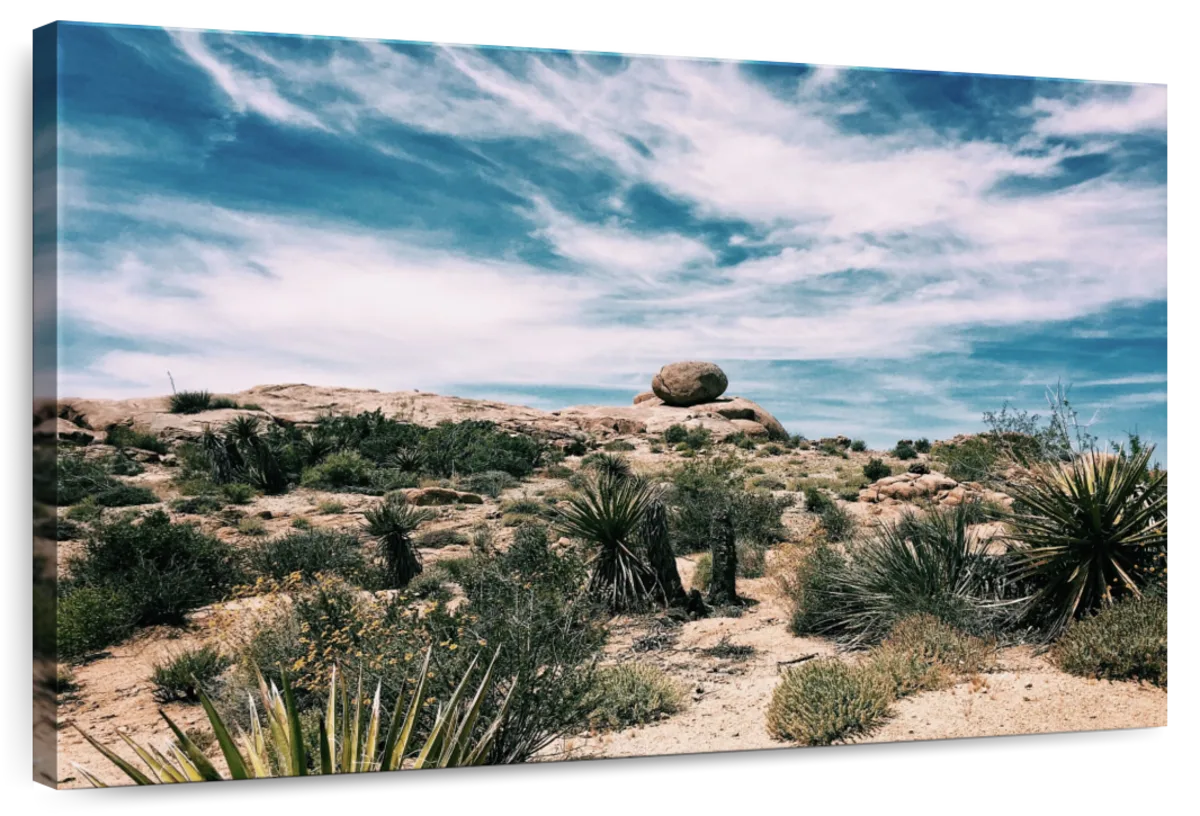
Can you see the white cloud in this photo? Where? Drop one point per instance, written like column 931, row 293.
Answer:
column 1143, row 108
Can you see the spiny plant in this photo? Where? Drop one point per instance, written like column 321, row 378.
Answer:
column 1089, row 532
column 181, row 675
column 608, row 464
column 190, row 402
column 607, row 514
column 392, row 524
column 349, row 736
column 242, row 453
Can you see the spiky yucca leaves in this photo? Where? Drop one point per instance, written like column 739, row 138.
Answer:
column 655, row 537
column 609, row 464
column 931, row 564
column 1089, row 532
column 606, row 513
column 349, row 736
column 190, row 402
column 392, row 524
column 241, row 453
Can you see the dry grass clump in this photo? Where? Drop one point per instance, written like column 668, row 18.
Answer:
column 632, row 694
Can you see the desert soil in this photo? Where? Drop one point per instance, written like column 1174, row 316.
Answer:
column 726, row 699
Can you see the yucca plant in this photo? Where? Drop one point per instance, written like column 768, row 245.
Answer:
column 349, row 736
column 1088, row 532
column 932, row 564
column 190, row 402
column 607, row 513
column 609, row 464
column 392, row 524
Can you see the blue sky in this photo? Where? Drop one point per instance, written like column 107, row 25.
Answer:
column 881, row 254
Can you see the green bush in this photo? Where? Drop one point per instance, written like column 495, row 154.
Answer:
column 816, row 500
column 489, row 483
column 922, row 445
column 339, row 470
column 698, row 438
column 675, row 434
column 237, row 493
column 858, row 446
column 252, row 526
column 198, row 505
column 973, row 459
column 875, row 470
column 699, row 488
column 632, row 694
column 740, row 440
column 78, row 477
column 190, row 402
column 767, row 483
column 124, row 436
column 182, row 676
column 702, row 576
column 165, row 570
column 904, row 451
column 308, row 552
column 838, row 523
column 329, row 507
column 827, row 701
column 620, row 446
column 436, row 539
column 125, row 495
column 91, row 618
column 1127, row 641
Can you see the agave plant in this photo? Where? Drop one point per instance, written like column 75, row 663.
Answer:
column 1089, row 532
column 349, row 736
column 392, row 524
column 607, row 513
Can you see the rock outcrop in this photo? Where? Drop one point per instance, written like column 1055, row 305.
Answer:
column 689, row 383
column 934, row 488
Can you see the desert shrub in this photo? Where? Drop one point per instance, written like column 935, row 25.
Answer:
column 165, row 570
column 816, row 500
column 473, row 446
column 726, row 650
column 252, row 526
column 904, row 451
column 63, row 529
column 675, row 434
column 89, row 618
column 78, row 477
column 812, row 586
column 1089, row 532
column 125, row 495
column 1126, row 641
column 237, row 493
column 605, row 465
column 564, row 472
column 923, row 653
column 702, row 576
column 751, row 559
column 837, row 522
column 767, row 483
column 875, row 470
column 308, row 553
column 858, row 446
column 929, row 564
column 698, row 438
column 198, row 505
column 826, row 701
column 919, row 468
column 524, row 506
column 87, row 510
column 973, row 459
column 429, row 586
column 830, row 448
column 700, row 488
column 620, row 446
column 222, row 402
column 482, row 539
column 181, row 676
column 190, row 402
column 922, row 445
column 436, row 539
column 330, row 507
column 489, row 482
column 302, row 523
column 242, row 452
column 632, row 694
column 339, row 470
column 739, row 439
column 773, row 449
column 125, row 436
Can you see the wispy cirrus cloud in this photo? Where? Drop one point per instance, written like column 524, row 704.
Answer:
column 388, row 215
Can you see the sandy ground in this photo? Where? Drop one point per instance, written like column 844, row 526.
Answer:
column 726, row 698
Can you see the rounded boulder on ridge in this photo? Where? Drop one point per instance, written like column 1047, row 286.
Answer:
column 689, row 383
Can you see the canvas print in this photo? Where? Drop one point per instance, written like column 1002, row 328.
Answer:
column 407, row 406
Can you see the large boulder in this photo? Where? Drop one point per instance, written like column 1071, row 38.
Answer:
column 689, row 383
column 740, row 408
